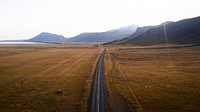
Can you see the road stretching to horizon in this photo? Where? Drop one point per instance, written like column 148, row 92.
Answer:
column 97, row 101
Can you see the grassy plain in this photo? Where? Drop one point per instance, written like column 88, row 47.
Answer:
column 153, row 80
column 46, row 78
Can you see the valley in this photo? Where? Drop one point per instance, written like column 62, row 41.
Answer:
column 128, row 69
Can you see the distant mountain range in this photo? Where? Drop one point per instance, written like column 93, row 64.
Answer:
column 185, row 31
column 105, row 36
column 87, row 37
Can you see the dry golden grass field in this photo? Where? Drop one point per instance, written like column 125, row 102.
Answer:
column 153, row 80
column 46, row 78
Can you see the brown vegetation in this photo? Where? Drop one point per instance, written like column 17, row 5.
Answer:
column 45, row 78
column 153, row 80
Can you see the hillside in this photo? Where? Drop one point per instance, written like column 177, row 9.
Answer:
column 185, row 31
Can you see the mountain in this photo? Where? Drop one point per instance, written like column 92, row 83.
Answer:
column 48, row 37
column 139, row 31
column 87, row 37
column 185, row 31
column 105, row 36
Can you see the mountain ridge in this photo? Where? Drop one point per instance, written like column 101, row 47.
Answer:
column 138, row 32
column 186, row 31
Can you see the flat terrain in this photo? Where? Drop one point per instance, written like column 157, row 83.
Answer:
column 46, row 78
column 153, row 80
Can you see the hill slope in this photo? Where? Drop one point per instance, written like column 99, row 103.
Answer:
column 182, row 32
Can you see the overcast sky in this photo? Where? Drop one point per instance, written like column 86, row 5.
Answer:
column 23, row 19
